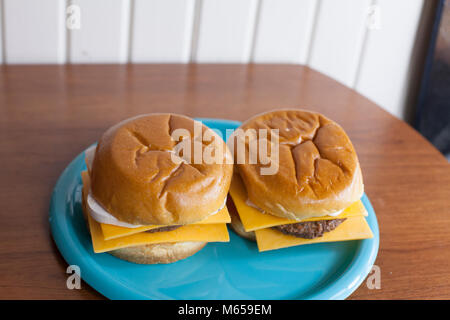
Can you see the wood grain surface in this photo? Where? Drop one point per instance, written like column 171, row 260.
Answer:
column 49, row 114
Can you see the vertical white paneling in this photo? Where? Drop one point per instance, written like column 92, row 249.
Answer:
column 284, row 30
column 338, row 37
column 34, row 31
column 104, row 33
column 1, row 32
column 162, row 30
column 383, row 75
column 225, row 31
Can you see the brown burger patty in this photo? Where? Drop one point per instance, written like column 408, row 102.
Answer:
column 163, row 229
column 309, row 229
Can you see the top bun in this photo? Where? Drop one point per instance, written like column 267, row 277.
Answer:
column 135, row 179
column 318, row 174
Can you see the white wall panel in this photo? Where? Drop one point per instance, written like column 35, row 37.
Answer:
column 225, row 31
column 338, row 37
column 1, row 32
column 104, row 33
column 162, row 30
column 34, row 31
column 383, row 75
column 284, row 30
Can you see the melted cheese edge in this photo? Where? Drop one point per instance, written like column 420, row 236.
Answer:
column 208, row 232
column 112, row 232
column 205, row 232
column 253, row 219
column 354, row 228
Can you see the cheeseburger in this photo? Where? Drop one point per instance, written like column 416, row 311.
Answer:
column 145, row 200
column 314, row 193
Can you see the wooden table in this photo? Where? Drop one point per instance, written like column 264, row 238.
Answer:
column 49, row 114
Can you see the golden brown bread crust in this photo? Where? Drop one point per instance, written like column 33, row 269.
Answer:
column 158, row 253
column 135, row 179
column 319, row 171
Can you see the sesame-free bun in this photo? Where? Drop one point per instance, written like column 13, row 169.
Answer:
column 135, row 178
column 159, row 253
column 318, row 172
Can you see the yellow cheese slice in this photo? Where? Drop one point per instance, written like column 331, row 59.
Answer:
column 112, row 232
column 353, row 228
column 199, row 232
column 217, row 232
column 253, row 219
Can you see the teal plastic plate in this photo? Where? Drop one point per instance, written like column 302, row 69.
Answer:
column 234, row 270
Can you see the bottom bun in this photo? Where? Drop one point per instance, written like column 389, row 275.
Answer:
column 158, row 253
column 236, row 222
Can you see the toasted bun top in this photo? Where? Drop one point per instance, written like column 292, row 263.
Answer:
column 318, row 172
column 135, row 178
